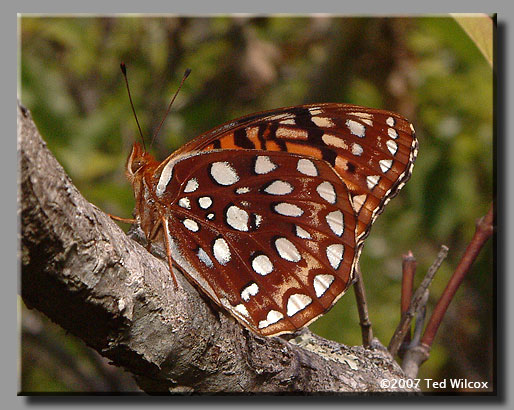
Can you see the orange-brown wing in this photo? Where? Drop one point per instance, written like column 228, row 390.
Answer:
column 269, row 236
column 372, row 150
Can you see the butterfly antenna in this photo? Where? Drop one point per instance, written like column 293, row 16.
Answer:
column 186, row 74
column 124, row 71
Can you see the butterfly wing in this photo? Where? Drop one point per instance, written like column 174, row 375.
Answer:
column 270, row 236
column 372, row 150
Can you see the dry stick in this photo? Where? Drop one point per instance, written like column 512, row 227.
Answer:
column 417, row 299
column 362, row 307
column 484, row 229
column 419, row 354
column 408, row 271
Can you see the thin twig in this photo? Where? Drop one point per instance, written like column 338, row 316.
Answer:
column 404, row 324
column 362, row 307
column 484, row 229
column 408, row 272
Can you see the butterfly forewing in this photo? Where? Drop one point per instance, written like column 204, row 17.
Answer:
column 372, row 150
column 271, row 234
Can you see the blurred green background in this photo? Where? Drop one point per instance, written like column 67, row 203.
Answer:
column 427, row 69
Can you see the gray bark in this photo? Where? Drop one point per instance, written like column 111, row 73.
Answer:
column 81, row 270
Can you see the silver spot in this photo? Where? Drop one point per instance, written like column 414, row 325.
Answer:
column 296, row 303
column 357, row 149
column 287, row 250
column 242, row 310
column 323, row 122
column 335, row 220
column 264, row 165
column 205, row 202
column 356, row 128
column 223, row 173
column 210, row 216
column 237, row 218
column 165, row 178
column 372, row 181
column 392, row 133
column 192, row 185
column 385, row 164
column 242, row 190
column 221, row 251
column 286, row 209
column 322, row 283
column 249, row 291
column 272, row 317
column 279, row 187
column 202, row 255
column 262, row 265
column 307, row 167
column 335, row 254
column 315, row 110
column 327, row 191
column 390, row 121
column 184, row 203
column 392, row 146
column 358, row 201
column 412, row 128
column 258, row 220
column 302, row 233
column 191, row 225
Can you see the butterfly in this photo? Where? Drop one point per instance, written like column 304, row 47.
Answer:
column 267, row 214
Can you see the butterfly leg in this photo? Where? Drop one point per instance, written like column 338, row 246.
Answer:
column 124, row 220
column 168, row 250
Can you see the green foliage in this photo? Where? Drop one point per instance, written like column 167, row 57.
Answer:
column 428, row 69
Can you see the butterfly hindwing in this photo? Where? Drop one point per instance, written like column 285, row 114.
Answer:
column 270, row 234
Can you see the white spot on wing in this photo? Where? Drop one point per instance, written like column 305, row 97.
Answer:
column 307, row 167
column 358, row 201
column 202, row 255
column 184, row 203
column 327, row 191
column 249, row 291
column 242, row 310
column 323, row 122
column 385, row 164
column 221, row 251
column 356, row 128
column 302, row 233
column 335, row 221
column 357, row 149
column 264, row 165
column 322, row 283
column 223, row 173
column 273, row 317
column 262, row 265
column 296, row 303
column 392, row 146
column 242, row 190
column 191, row 225
column 286, row 209
column 392, row 133
column 390, row 121
column 210, row 216
column 287, row 250
column 334, row 141
column 335, row 254
column 165, row 178
column 205, row 202
column 192, row 185
column 279, row 187
column 372, row 181
column 237, row 218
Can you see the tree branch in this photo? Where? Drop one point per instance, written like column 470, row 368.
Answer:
column 85, row 274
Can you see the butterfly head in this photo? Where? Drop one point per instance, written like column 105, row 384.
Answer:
column 137, row 162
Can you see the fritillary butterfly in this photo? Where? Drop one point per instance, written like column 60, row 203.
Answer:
column 267, row 214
